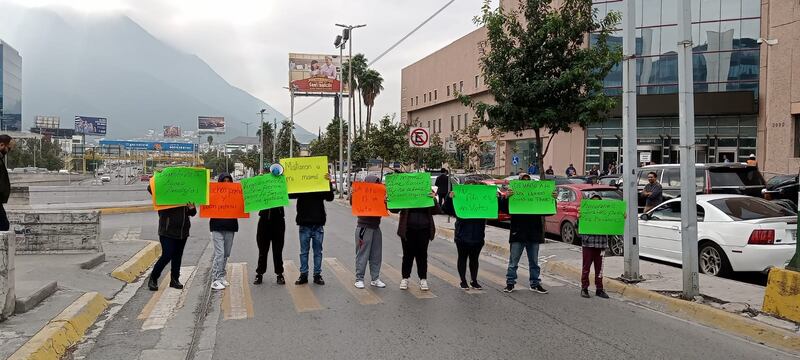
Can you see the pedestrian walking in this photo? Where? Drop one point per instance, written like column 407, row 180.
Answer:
column 416, row 229
column 270, row 232
column 173, row 231
column 652, row 192
column 442, row 186
column 311, row 223
column 369, row 245
column 526, row 233
column 592, row 250
column 6, row 145
column 549, row 170
column 222, row 232
column 469, row 239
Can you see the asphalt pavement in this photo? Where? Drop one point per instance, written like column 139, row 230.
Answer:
column 335, row 321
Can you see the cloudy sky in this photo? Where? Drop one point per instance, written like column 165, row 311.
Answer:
column 247, row 41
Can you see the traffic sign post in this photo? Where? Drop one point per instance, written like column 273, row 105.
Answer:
column 418, row 137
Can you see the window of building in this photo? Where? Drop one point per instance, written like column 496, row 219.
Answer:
column 448, row 90
column 440, row 125
column 461, row 86
column 458, row 123
column 429, row 124
column 465, row 120
column 476, row 81
column 796, row 121
column 454, row 89
column 416, row 100
column 430, row 98
column 435, row 94
column 459, row 120
column 424, row 98
column 451, row 124
column 412, row 101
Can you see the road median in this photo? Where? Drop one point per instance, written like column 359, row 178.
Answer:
column 138, row 263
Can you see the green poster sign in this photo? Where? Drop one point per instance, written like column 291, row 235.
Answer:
column 475, row 201
column 408, row 190
column 601, row 217
column 182, row 185
column 532, row 197
column 264, row 192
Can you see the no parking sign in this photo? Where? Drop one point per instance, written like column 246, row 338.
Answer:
column 418, row 137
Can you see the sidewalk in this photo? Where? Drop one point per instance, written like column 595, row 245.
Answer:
column 95, row 205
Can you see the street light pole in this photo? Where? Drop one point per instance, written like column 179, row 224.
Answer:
column 340, row 43
column 261, row 142
column 247, row 128
column 291, row 122
column 630, row 168
column 347, row 34
column 274, row 138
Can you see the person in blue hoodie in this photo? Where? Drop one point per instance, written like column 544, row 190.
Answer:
column 222, row 231
column 469, row 239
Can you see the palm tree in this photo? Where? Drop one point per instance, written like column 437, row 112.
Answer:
column 359, row 67
column 210, row 140
column 371, row 85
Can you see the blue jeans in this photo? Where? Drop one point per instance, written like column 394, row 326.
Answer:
column 311, row 235
column 532, row 248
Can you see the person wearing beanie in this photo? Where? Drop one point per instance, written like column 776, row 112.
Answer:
column 369, row 245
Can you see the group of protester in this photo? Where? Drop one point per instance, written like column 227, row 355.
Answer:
column 416, row 230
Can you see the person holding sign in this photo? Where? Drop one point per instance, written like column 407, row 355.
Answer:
column 222, row 231
column 527, row 232
column 369, row 241
column 311, row 222
column 469, row 239
column 416, row 229
column 592, row 250
column 173, row 231
column 271, row 230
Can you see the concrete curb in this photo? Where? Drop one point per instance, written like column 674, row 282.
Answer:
column 126, row 210
column 91, row 263
column 64, row 330
column 23, row 305
column 138, row 263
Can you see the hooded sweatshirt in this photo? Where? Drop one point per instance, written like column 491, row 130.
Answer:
column 369, row 222
column 224, row 224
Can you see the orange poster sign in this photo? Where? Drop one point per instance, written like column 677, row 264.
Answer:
column 153, row 192
column 369, row 199
column 225, row 201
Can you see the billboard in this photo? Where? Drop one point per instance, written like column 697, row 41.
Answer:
column 210, row 124
column 315, row 73
column 172, row 131
column 150, row 145
column 47, row 122
column 90, row 125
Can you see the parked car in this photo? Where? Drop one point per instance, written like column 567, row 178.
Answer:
column 105, row 178
column 735, row 233
column 568, row 201
column 145, row 177
column 610, row 180
column 782, row 190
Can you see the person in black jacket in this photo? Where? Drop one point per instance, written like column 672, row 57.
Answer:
column 442, row 187
column 222, row 232
column 311, row 222
column 6, row 145
column 271, row 230
column 416, row 229
column 173, row 230
column 526, row 233
column 469, row 239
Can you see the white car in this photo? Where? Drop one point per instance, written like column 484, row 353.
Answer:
column 735, row 233
column 105, row 178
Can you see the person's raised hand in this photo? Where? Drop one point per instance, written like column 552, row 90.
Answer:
column 452, row 194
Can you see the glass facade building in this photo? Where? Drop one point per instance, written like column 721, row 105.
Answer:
column 10, row 88
column 725, row 60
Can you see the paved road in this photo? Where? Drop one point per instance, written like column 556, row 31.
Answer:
column 335, row 322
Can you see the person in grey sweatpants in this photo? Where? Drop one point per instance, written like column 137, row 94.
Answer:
column 369, row 246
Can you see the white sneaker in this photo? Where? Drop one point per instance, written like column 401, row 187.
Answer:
column 217, row 285
column 404, row 284
column 359, row 284
column 225, row 282
column 423, row 285
column 377, row 283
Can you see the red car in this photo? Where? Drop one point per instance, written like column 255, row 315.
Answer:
column 145, row 177
column 565, row 221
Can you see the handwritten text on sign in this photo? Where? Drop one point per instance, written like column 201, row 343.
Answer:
column 409, row 190
column 225, row 201
column 532, row 197
column 475, row 201
column 369, row 199
column 306, row 174
column 182, row 185
column 264, row 192
column 602, row 217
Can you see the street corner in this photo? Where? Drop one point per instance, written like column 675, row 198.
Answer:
column 782, row 295
column 138, row 263
column 64, row 330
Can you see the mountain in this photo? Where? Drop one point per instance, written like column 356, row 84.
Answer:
column 109, row 66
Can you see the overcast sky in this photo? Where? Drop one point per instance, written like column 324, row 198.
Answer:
column 247, row 41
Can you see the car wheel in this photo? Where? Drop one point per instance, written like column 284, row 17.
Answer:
column 713, row 260
column 568, row 233
column 615, row 246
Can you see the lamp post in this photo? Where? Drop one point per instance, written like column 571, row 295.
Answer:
column 347, row 33
column 274, row 138
column 261, row 142
column 340, row 43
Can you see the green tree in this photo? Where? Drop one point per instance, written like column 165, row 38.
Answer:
column 328, row 143
column 283, row 141
column 539, row 70
column 267, row 140
column 389, row 141
column 42, row 153
column 371, row 85
column 433, row 156
column 210, row 140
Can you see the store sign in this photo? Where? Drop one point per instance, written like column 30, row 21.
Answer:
column 645, row 157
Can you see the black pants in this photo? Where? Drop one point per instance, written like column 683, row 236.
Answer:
column 171, row 252
column 415, row 247
column 471, row 253
column 270, row 232
column 4, row 225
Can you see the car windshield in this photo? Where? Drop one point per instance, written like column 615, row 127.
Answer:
column 735, row 176
column 749, row 208
column 605, row 194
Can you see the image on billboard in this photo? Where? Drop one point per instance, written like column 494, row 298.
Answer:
column 211, row 124
column 47, row 122
column 172, row 131
column 88, row 125
column 315, row 73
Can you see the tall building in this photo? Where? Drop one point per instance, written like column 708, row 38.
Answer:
column 10, row 88
column 747, row 95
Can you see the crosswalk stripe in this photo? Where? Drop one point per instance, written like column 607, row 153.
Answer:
column 148, row 308
column 490, row 276
column 394, row 276
column 346, row 278
column 449, row 278
column 236, row 300
column 169, row 302
column 302, row 295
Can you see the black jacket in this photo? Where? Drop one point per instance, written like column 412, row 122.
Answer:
column 270, row 216
column 174, row 223
column 469, row 232
column 5, row 183
column 442, row 184
column 311, row 207
column 524, row 228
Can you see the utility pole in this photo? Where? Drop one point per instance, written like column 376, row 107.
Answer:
column 261, row 142
column 291, row 121
column 247, row 128
column 274, row 138
column 631, row 161
column 347, row 34
column 691, row 281
column 340, row 43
